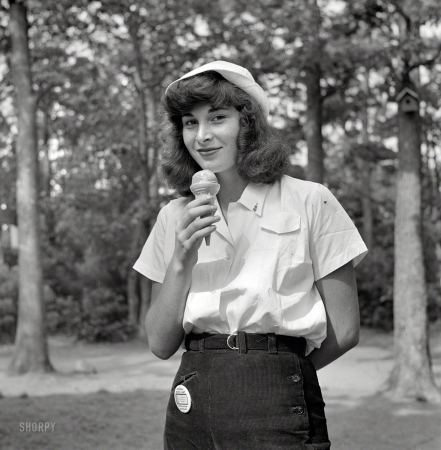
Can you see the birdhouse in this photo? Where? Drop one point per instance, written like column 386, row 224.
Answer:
column 408, row 100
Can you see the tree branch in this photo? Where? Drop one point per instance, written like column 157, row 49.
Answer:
column 42, row 92
column 331, row 90
column 400, row 10
column 426, row 62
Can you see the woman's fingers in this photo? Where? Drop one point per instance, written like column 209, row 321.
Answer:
column 196, row 222
column 202, row 222
column 199, row 227
column 195, row 209
column 195, row 238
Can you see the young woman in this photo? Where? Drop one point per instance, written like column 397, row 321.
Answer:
column 271, row 300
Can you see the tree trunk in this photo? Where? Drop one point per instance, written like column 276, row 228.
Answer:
column 2, row 258
column 132, row 278
column 151, row 186
column 136, row 292
column 45, row 164
column 139, row 287
column 411, row 375
column 315, row 170
column 365, row 173
column 30, row 352
column 366, row 204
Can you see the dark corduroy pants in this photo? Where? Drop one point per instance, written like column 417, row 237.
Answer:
column 247, row 401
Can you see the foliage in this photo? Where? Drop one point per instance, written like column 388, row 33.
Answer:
column 102, row 317
column 85, row 263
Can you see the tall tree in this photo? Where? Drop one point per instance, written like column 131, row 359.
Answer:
column 411, row 375
column 30, row 352
column 365, row 168
column 315, row 170
column 139, row 299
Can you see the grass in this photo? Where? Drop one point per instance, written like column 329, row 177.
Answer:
column 104, row 420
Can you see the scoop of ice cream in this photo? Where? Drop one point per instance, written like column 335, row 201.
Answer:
column 204, row 175
column 204, row 182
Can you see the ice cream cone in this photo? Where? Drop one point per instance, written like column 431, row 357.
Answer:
column 204, row 183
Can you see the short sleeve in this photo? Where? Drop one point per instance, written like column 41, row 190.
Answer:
column 151, row 262
column 334, row 239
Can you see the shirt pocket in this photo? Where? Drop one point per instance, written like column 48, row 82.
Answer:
column 279, row 231
column 278, row 252
column 275, row 247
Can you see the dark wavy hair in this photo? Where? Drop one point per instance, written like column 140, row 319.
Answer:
column 261, row 157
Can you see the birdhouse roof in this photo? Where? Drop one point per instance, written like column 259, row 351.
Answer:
column 407, row 91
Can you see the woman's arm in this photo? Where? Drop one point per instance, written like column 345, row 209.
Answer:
column 164, row 318
column 339, row 293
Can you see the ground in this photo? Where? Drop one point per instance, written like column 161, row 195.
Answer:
column 120, row 403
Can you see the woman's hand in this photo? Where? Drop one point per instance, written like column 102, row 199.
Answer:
column 196, row 222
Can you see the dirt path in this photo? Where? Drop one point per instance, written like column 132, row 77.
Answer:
column 82, row 368
column 130, row 366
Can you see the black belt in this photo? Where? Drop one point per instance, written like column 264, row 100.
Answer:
column 242, row 342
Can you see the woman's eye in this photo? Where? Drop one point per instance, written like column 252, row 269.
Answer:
column 218, row 118
column 189, row 123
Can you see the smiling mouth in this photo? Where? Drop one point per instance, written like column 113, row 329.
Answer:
column 207, row 151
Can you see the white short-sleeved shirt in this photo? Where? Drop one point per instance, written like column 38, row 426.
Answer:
column 258, row 273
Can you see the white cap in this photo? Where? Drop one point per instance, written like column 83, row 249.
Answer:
column 236, row 75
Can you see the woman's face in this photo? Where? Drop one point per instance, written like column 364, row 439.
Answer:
column 210, row 136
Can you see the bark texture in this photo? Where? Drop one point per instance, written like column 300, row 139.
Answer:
column 30, row 352
column 139, row 287
column 411, row 375
column 365, row 173
column 315, row 170
column 45, row 164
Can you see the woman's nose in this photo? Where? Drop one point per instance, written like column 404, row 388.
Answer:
column 204, row 133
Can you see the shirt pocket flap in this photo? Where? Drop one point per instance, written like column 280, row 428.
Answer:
column 281, row 222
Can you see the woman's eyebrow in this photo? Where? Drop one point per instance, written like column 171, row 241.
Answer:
column 217, row 109
column 211, row 110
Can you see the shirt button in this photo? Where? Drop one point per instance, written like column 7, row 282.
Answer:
column 298, row 410
column 228, row 257
column 295, row 378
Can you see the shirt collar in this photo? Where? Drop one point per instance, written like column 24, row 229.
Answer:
column 253, row 197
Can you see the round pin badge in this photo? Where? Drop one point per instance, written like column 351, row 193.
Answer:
column 182, row 398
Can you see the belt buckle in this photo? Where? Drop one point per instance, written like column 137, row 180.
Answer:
column 232, row 346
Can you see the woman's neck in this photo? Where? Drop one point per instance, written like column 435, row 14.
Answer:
column 232, row 187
